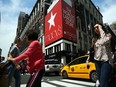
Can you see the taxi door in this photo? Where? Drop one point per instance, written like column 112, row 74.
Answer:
column 81, row 69
column 78, row 68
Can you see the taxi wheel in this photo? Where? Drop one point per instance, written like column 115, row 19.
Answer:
column 94, row 76
column 64, row 75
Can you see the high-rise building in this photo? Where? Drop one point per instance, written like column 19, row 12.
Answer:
column 113, row 27
column 66, row 19
column 65, row 27
column 22, row 20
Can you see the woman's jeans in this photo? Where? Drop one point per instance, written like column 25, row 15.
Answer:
column 103, row 69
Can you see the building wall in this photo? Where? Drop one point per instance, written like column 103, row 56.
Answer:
column 22, row 20
column 35, row 22
column 87, row 15
column 113, row 27
column 64, row 50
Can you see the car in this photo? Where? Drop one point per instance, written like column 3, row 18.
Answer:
column 53, row 66
column 77, row 68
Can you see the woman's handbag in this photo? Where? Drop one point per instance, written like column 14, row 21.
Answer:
column 4, row 74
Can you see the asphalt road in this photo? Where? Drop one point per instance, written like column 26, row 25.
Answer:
column 24, row 78
column 52, row 77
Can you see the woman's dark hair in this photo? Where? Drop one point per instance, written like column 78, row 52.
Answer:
column 32, row 35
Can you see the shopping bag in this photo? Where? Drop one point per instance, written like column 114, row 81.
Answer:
column 4, row 73
column 4, row 81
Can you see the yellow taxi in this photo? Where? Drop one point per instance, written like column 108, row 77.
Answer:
column 77, row 68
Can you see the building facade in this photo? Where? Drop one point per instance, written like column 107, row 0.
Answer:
column 113, row 27
column 22, row 20
column 64, row 48
column 86, row 15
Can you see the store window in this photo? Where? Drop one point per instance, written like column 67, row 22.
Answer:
column 74, row 49
column 57, row 48
column 68, row 47
column 50, row 50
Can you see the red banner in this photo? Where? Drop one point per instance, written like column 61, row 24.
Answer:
column 60, row 23
column 69, row 23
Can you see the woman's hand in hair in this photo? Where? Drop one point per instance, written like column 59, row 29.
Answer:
column 98, row 26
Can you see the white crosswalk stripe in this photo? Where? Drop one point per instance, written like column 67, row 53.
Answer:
column 44, row 84
column 80, row 82
column 65, row 83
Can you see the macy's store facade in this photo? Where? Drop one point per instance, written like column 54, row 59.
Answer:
column 60, row 34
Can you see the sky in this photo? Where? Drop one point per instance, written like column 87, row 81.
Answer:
column 10, row 10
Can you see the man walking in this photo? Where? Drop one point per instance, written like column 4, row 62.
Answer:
column 14, row 69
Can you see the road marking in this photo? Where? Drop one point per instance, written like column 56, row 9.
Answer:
column 80, row 82
column 44, row 84
column 24, row 85
column 65, row 83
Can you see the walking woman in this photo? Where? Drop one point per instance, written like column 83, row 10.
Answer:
column 35, row 59
column 102, row 55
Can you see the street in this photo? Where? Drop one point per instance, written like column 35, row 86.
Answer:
column 57, row 81
column 72, row 37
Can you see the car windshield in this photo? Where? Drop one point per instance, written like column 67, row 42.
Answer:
column 52, row 62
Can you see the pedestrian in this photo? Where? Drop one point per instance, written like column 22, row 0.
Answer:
column 14, row 69
column 35, row 59
column 102, row 54
column 2, row 59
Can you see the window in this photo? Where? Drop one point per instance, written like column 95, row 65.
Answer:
column 46, row 51
column 80, row 36
column 50, row 50
column 74, row 49
column 52, row 62
column 57, row 48
column 79, row 61
column 68, row 47
column 85, row 1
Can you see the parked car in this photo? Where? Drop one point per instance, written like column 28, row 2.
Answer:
column 77, row 69
column 53, row 66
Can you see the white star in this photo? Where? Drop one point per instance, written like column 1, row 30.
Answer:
column 51, row 20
